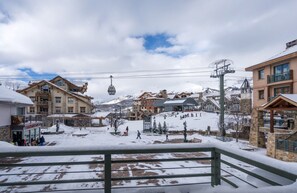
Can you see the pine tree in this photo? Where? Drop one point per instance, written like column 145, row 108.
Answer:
column 160, row 128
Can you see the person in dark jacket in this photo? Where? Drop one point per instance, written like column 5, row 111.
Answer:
column 138, row 135
column 42, row 140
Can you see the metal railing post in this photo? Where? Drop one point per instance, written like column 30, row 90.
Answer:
column 215, row 168
column 107, row 173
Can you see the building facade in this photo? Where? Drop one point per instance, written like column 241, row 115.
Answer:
column 11, row 104
column 271, row 79
column 57, row 96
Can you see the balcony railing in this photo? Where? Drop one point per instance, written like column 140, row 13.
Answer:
column 112, row 168
column 43, row 103
column 43, row 93
column 280, row 77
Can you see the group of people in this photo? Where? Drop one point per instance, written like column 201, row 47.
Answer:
column 38, row 142
column 33, row 142
column 188, row 115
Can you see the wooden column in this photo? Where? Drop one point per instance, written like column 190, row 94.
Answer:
column 271, row 121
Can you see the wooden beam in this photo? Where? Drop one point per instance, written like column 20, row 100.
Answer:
column 282, row 108
column 271, row 121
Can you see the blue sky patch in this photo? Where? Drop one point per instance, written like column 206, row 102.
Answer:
column 160, row 43
column 37, row 76
column 152, row 42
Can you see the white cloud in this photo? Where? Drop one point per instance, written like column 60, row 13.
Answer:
column 98, row 36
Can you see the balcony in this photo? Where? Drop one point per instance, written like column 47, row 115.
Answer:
column 43, row 93
column 43, row 103
column 279, row 77
column 126, row 168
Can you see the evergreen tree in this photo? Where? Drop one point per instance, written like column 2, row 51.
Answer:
column 164, row 127
column 160, row 128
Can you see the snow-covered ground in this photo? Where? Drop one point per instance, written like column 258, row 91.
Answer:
column 101, row 136
column 195, row 120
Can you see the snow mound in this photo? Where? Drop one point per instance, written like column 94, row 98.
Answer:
column 5, row 144
column 81, row 133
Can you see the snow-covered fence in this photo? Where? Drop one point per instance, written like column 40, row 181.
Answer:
column 112, row 167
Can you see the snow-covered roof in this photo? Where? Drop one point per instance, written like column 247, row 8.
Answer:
column 10, row 96
column 170, row 96
column 61, row 115
column 175, row 101
column 214, row 102
column 100, row 114
column 292, row 97
column 232, row 93
column 195, row 95
column 285, row 52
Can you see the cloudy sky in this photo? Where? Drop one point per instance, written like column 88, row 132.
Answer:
column 146, row 45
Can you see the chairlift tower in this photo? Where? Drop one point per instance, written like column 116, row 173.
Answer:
column 222, row 67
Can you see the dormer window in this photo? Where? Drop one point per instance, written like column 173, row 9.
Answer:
column 45, row 88
column 60, row 83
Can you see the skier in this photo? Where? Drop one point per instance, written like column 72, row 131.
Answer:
column 138, row 135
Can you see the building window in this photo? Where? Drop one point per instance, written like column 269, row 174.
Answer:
column 58, row 109
column 281, row 69
column 60, row 83
column 70, row 100
column 261, row 74
column 32, row 98
column 82, row 109
column 45, row 88
column 32, row 110
column 58, row 99
column 70, row 109
column 261, row 94
column 20, row 110
column 282, row 90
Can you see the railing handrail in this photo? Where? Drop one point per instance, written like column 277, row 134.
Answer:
column 89, row 150
column 133, row 149
column 286, row 76
column 217, row 158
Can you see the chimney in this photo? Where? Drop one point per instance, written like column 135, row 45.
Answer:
column 291, row 44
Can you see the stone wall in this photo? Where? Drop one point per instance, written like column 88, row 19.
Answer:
column 5, row 133
column 246, row 106
column 271, row 145
column 257, row 138
column 276, row 153
column 285, row 156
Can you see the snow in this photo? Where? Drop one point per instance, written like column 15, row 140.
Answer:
column 11, row 96
column 61, row 115
column 199, row 121
column 292, row 97
column 100, row 114
column 100, row 139
column 5, row 144
column 175, row 101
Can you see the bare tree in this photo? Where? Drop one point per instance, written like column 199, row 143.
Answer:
column 238, row 118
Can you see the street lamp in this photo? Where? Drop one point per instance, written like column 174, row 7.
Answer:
column 111, row 89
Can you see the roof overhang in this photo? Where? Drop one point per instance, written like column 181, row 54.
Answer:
column 285, row 102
